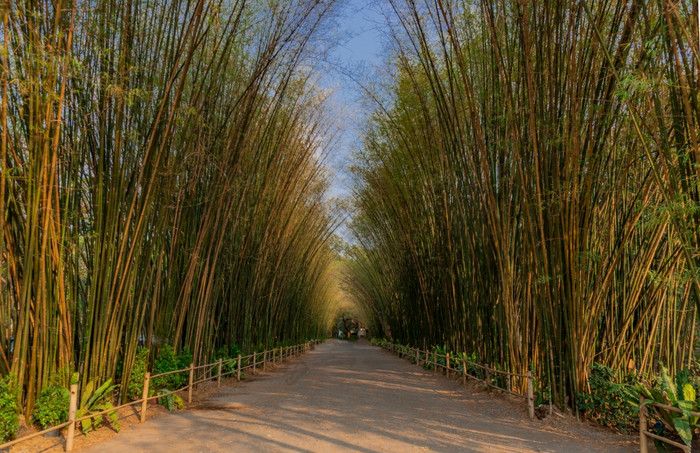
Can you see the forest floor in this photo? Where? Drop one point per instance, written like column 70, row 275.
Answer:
column 351, row 396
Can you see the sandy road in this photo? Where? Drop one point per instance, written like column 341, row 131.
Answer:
column 355, row 397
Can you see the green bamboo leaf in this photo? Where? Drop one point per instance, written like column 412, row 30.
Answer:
column 682, row 425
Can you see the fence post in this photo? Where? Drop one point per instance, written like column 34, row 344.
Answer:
column 435, row 362
column 488, row 378
column 238, row 378
column 464, row 371
column 144, row 404
column 189, row 387
column 265, row 360
column 274, row 354
column 254, row 360
column 218, row 378
column 447, row 364
column 71, row 417
column 530, row 396
column 417, row 357
column 643, row 447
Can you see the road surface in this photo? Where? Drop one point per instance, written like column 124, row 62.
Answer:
column 346, row 396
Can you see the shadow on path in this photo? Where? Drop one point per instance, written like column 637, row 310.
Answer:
column 355, row 397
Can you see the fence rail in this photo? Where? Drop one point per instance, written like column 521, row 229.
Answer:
column 424, row 356
column 644, row 434
column 278, row 355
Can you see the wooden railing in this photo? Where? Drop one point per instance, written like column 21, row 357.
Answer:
column 431, row 357
column 197, row 375
column 644, row 434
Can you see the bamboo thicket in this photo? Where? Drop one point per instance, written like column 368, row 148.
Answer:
column 530, row 192
column 162, row 181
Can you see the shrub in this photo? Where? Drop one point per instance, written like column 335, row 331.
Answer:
column 171, row 401
column 138, row 374
column 607, row 403
column 166, row 361
column 52, row 406
column 184, row 359
column 169, row 361
column 226, row 354
column 9, row 411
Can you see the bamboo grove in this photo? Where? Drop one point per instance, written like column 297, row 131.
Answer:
column 528, row 187
column 162, row 181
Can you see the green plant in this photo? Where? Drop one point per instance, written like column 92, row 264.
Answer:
column 184, row 359
column 171, row 401
column 51, row 407
column 226, row 354
column 440, row 351
column 678, row 393
column 607, row 401
column 169, row 361
column 138, row 374
column 95, row 401
column 9, row 411
column 470, row 360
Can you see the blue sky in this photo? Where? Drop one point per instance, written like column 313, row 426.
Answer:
column 359, row 55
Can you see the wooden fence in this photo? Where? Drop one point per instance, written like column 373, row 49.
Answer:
column 431, row 357
column 197, row 375
column 644, row 434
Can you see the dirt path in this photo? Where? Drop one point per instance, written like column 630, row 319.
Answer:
column 355, row 397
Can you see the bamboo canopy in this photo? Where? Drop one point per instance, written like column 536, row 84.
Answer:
column 162, row 182
column 527, row 190
column 528, row 186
